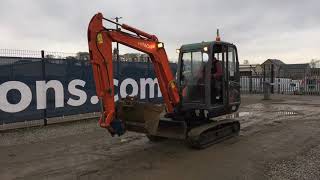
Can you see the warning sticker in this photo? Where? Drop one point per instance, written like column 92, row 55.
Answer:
column 99, row 38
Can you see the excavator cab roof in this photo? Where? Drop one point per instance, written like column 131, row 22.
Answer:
column 197, row 46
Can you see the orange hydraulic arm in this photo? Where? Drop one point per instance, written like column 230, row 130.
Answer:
column 100, row 48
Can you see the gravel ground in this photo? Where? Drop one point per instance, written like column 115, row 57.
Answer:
column 304, row 166
column 279, row 139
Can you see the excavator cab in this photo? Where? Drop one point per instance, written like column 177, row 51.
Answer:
column 208, row 78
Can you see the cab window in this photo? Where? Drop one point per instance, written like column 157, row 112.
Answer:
column 232, row 63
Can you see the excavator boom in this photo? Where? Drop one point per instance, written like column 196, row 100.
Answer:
column 100, row 48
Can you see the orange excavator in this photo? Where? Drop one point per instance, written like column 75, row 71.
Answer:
column 192, row 98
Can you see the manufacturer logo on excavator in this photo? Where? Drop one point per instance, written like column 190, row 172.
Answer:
column 145, row 45
column 99, row 38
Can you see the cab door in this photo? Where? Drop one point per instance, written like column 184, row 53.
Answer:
column 232, row 78
column 225, row 90
column 218, row 83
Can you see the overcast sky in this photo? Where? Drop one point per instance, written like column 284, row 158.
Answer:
column 288, row 30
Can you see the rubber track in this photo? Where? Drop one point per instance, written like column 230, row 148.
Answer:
column 215, row 135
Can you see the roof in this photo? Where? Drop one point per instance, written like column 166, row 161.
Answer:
column 295, row 66
column 248, row 65
column 274, row 61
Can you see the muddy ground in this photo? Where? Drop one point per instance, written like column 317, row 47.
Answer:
column 279, row 139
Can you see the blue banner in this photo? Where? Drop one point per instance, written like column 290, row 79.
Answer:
column 65, row 87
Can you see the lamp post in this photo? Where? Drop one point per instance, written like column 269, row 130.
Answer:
column 118, row 59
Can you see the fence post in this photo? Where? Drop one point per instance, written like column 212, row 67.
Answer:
column 278, row 75
column 264, row 76
column 305, row 82
column 43, row 63
column 250, row 80
column 264, row 73
column 272, row 78
column 118, row 70
column 148, row 75
column 279, row 85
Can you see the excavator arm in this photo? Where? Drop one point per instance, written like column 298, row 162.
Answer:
column 100, row 48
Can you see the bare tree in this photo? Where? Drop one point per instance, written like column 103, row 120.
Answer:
column 313, row 63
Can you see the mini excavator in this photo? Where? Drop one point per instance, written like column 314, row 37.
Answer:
column 206, row 85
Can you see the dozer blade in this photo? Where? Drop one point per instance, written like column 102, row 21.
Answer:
column 171, row 129
column 148, row 118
